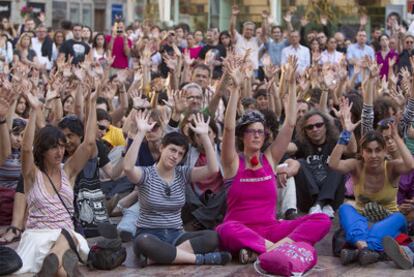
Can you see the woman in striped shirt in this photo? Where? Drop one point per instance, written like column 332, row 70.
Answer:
column 161, row 238
column 49, row 240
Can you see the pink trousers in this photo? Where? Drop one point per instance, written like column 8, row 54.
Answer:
column 309, row 228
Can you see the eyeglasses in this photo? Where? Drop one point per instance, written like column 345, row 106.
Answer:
column 167, row 191
column 317, row 125
column 194, row 98
column 255, row 132
column 156, row 127
column 103, row 127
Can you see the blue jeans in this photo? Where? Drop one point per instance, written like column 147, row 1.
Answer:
column 170, row 236
column 357, row 227
column 129, row 219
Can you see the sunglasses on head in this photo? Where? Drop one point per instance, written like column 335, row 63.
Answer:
column 317, row 125
column 385, row 122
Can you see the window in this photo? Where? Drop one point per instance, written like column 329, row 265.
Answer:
column 74, row 12
column 87, row 14
column 59, row 13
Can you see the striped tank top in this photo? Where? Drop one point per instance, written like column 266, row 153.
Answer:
column 46, row 211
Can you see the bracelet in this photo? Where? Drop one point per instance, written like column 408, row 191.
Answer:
column 119, row 206
column 344, row 137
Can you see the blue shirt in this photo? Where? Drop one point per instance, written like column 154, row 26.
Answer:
column 357, row 52
column 275, row 50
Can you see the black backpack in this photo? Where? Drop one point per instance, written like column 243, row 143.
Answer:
column 9, row 261
column 107, row 254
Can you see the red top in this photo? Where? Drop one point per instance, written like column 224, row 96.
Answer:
column 120, row 59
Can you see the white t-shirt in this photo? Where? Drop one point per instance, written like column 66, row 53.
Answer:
column 242, row 44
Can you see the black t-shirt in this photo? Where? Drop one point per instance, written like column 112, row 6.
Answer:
column 219, row 52
column 316, row 158
column 77, row 49
column 30, row 54
column 404, row 59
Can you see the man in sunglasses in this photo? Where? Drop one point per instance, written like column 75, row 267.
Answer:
column 112, row 136
column 318, row 188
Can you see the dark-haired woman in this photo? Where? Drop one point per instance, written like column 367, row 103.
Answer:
column 250, row 226
column 50, row 240
column 161, row 195
column 375, row 187
column 100, row 53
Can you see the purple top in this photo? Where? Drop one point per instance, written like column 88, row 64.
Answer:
column 380, row 60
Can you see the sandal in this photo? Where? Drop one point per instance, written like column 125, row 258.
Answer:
column 247, row 256
column 16, row 232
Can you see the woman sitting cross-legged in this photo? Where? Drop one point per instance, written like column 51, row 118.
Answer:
column 161, row 195
column 49, row 245
column 375, row 180
column 250, row 226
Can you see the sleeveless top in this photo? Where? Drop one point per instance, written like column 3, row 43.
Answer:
column 10, row 170
column 46, row 211
column 386, row 197
column 252, row 196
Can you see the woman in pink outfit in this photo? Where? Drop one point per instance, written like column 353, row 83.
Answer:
column 250, row 226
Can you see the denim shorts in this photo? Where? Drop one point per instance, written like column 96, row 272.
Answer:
column 170, row 236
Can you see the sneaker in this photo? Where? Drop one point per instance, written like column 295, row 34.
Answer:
column 397, row 253
column 348, row 256
column 315, row 209
column 217, row 258
column 367, row 256
column 71, row 264
column 291, row 214
column 329, row 211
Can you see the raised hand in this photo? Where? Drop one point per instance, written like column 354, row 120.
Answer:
column 304, row 21
column 180, row 101
column 265, row 14
column 79, row 73
column 200, row 127
column 394, row 130
column 363, row 20
column 291, row 68
column 345, row 113
column 187, row 59
column 288, row 17
column 171, row 62
column 324, row 20
column 142, row 121
column 32, row 100
column 6, row 100
column 235, row 10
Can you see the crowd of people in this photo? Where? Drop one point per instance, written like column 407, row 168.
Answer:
column 210, row 146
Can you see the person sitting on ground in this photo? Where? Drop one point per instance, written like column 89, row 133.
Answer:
column 250, row 226
column 49, row 240
column 161, row 196
column 375, row 182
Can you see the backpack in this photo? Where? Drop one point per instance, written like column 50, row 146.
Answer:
column 9, row 261
column 6, row 205
column 90, row 200
column 289, row 259
column 107, row 254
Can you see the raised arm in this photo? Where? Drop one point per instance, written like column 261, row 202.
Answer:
column 229, row 158
column 6, row 99
column 406, row 163
column 201, row 129
column 77, row 161
column 134, row 173
column 279, row 146
column 233, row 21
column 265, row 26
column 28, row 165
